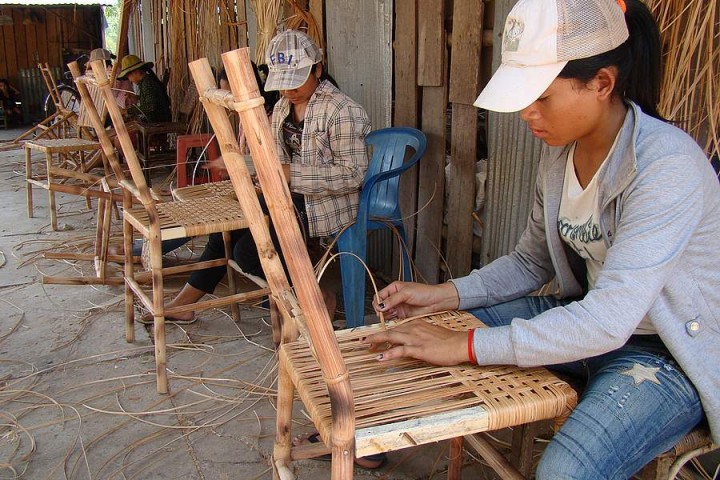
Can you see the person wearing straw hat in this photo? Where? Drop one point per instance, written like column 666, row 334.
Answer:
column 153, row 102
column 625, row 222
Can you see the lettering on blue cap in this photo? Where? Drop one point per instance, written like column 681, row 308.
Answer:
column 280, row 58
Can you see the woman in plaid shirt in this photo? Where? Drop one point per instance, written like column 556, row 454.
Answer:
column 320, row 136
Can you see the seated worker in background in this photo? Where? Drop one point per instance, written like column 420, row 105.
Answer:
column 153, row 104
column 625, row 219
column 9, row 97
column 320, row 137
column 122, row 89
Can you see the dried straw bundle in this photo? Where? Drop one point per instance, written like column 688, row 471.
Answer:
column 690, row 95
column 304, row 20
column 267, row 13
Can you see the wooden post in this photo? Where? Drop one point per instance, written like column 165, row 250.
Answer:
column 464, row 88
column 406, row 109
column 456, row 457
column 432, row 70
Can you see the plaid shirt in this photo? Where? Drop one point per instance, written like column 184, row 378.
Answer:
column 331, row 167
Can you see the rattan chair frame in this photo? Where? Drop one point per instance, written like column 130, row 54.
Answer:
column 155, row 222
column 388, row 406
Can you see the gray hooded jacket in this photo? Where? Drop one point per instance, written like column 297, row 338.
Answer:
column 660, row 219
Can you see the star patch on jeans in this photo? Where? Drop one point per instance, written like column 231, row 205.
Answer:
column 640, row 373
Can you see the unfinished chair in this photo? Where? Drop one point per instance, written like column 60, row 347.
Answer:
column 358, row 405
column 107, row 192
column 69, row 161
column 394, row 150
column 163, row 221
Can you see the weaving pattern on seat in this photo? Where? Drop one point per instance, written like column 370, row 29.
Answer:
column 191, row 218
column 203, row 190
column 411, row 391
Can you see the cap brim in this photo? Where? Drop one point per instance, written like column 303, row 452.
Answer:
column 513, row 88
column 287, row 79
column 123, row 74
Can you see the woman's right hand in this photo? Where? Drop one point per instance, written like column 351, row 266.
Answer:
column 408, row 299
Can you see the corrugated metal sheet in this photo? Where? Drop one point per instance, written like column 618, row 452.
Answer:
column 512, row 167
column 359, row 54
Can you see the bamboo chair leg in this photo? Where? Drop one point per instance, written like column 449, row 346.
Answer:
column 129, row 274
column 51, row 194
column 100, row 246
column 275, row 321
column 234, row 309
column 28, row 185
column 84, row 169
column 104, row 225
column 523, row 439
column 455, row 459
column 155, row 245
column 283, row 431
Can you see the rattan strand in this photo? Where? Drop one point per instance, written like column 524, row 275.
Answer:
column 224, row 187
column 398, row 390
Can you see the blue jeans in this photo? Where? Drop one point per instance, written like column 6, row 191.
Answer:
column 618, row 426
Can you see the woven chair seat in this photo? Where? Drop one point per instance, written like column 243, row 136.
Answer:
column 223, row 188
column 195, row 217
column 403, row 403
column 60, row 145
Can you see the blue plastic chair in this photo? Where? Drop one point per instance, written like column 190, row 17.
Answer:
column 379, row 208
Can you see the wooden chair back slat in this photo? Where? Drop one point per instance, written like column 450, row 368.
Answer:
column 103, row 84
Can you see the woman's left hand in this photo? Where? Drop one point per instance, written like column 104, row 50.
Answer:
column 421, row 340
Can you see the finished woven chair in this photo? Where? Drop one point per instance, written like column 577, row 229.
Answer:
column 156, row 222
column 358, row 405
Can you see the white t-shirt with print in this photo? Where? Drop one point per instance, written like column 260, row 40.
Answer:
column 579, row 227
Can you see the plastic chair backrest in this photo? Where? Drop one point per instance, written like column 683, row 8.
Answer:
column 380, row 192
column 379, row 205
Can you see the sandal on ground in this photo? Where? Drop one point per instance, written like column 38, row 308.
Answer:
column 369, row 462
column 148, row 320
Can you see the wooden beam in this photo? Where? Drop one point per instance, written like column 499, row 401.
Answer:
column 461, row 189
column 431, row 186
column 406, row 107
column 431, row 43
column 466, row 51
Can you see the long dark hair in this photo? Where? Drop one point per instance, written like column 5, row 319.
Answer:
column 324, row 75
column 637, row 61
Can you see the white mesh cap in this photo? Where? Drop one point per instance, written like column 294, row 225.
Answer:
column 540, row 37
column 290, row 57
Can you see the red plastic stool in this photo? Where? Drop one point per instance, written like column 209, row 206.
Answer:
column 187, row 142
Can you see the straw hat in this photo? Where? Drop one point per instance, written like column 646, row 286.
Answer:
column 130, row 63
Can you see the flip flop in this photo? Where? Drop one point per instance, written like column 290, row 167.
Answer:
column 177, row 321
column 369, row 462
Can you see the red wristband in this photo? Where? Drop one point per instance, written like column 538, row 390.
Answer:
column 471, row 350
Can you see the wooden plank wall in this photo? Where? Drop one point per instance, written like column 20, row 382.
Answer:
column 442, row 59
column 44, row 34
